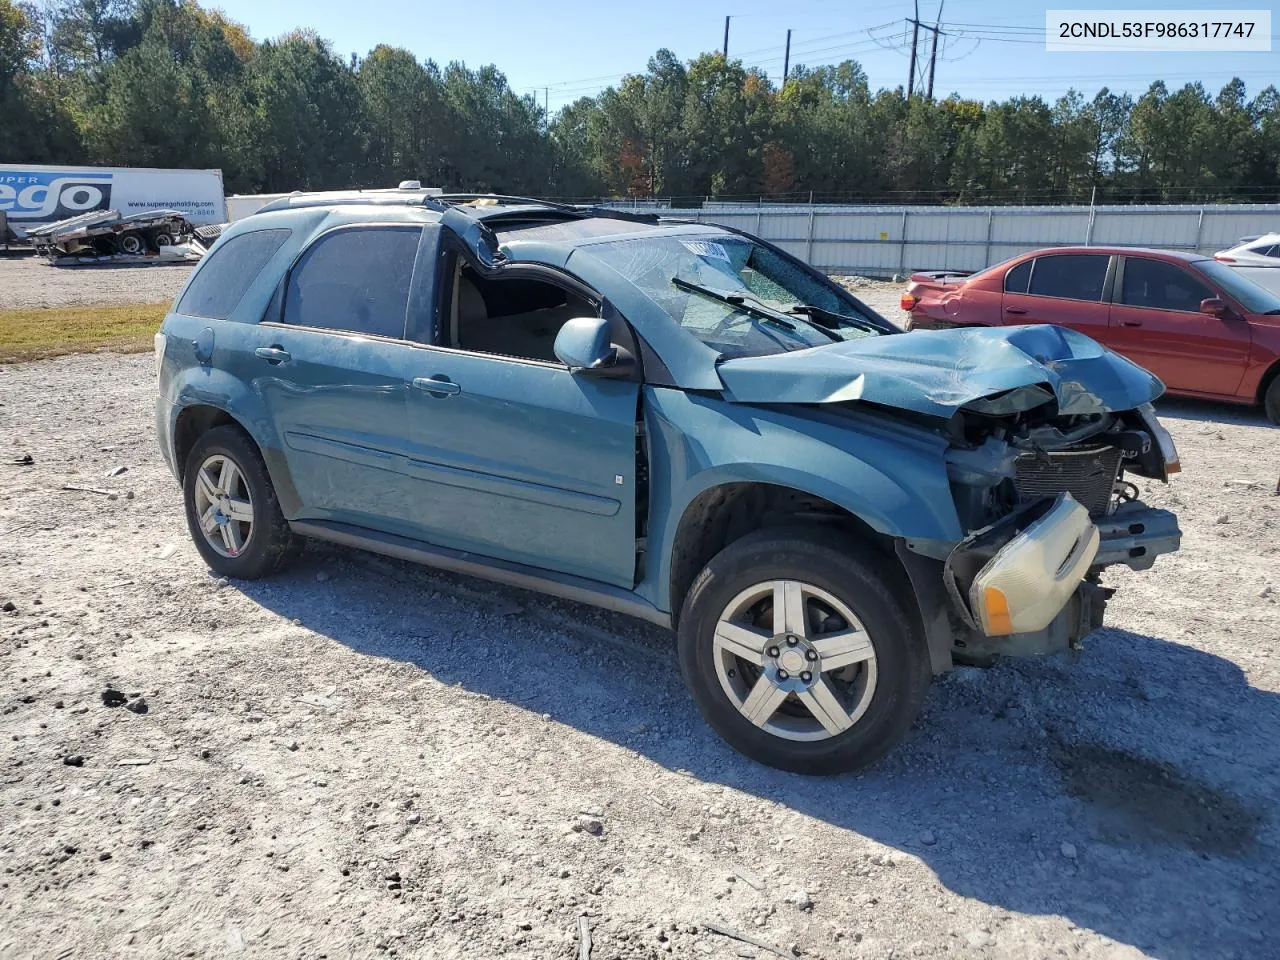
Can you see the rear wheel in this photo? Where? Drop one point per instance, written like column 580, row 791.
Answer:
column 232, row 511
column 132, row 243
column 160, row 237
column 105, row 246
column 1271, row 401
column 799, row 654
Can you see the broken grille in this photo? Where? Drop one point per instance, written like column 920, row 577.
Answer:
column 1087, row 473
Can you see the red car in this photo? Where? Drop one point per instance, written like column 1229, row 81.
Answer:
column 1195, row 323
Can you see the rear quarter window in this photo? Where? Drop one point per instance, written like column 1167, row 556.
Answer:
column 221, row 280
column 1015, row 281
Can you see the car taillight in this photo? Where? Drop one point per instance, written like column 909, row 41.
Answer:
column 160, row 342
column 1225, row 259
column 908, row 301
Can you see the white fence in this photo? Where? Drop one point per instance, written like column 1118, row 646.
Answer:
column 881, row 241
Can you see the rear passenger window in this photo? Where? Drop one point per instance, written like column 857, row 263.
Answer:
column 225, row 275
column 1073, row 276
column 355, row 280
column 1015, row 281
column 1161, row 286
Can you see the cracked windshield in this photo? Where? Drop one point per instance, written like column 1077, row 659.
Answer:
column 737, row 297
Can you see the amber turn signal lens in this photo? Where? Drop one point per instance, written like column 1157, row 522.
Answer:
column 908, row 301
column 999, row 622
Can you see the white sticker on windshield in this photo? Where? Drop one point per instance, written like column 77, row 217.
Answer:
column 706, row 249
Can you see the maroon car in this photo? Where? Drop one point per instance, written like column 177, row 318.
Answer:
column 1195, row 323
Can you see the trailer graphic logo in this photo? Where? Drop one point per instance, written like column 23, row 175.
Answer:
column 52, row 196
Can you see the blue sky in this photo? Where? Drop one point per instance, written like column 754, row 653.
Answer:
column 569, row 48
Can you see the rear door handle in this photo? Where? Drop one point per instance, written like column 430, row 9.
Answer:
column 438, row 386
column 1016, row 311
column 1130, row 323
column 273, row 355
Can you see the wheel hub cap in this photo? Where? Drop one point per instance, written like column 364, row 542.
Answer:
column 792, row 660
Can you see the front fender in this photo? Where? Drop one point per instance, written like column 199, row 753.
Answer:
column 894, row 481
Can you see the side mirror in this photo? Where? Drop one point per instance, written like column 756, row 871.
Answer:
column 1214, row 306
column 583, row 344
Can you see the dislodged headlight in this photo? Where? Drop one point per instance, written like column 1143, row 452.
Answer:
column 1028, row 582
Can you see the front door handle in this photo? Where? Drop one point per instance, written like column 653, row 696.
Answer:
column 1016, row 311
column 437, row 386
column 1130, row 323
column 273, row 355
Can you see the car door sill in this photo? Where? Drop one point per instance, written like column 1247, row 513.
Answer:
column 562, row 585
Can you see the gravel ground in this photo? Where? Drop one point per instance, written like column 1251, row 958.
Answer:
column 34, row 282
column 361, row 757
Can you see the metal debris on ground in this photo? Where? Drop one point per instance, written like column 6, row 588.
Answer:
column 584, row 939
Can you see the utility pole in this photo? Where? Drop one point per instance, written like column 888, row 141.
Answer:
column 915, row 39
column 786, row 61
column 726, row 38
column 933, row 54
column 916, row 27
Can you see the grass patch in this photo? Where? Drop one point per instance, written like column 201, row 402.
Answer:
column 37, row 333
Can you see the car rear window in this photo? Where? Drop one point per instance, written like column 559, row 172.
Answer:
column 1251, row 296
column 1015, row 281
column 222, row 279
column 355, row 279
column 1073, row 276
column 1161, row 286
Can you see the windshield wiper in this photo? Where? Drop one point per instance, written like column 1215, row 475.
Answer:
column 830, row 319
column 734, row 300
column 752, row 306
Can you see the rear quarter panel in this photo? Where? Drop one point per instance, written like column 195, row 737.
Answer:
column 976, row 302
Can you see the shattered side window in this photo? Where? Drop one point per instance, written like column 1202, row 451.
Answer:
column 225, row 274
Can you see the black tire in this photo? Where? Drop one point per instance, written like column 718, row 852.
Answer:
column 848, row 571
column 105, row 246
column 1271, row 400
column 271, row 545
column 132, row 243
column 160, row 237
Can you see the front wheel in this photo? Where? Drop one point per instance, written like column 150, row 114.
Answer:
column 232, row 511
column 1271, row 402
column 799, row 653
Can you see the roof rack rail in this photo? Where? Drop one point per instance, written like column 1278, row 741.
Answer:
column 506, row 198
column 463, row 202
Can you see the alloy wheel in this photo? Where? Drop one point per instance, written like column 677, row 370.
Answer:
column 224, row 505
column 794, row 660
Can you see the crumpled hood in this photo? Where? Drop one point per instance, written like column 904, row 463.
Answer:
column 998, row 370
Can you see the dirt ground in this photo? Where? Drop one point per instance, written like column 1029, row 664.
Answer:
column 362, row 758
column 27, row 281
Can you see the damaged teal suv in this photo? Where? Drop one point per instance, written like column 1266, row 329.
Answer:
column 672, row 420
